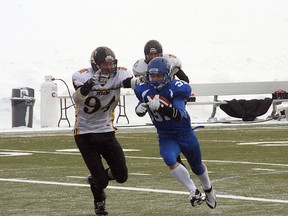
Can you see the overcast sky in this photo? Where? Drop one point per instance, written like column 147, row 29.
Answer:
column 216, row 40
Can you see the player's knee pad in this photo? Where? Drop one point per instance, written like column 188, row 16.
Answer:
column 121, row 176
column 169, row 158
column 198, row 169
column 122, row 179
column 169, row 161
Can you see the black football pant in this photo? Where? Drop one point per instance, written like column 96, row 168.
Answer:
column 92, row 148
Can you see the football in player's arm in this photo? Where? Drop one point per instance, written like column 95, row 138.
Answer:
column 165, row 100
column 152, row 49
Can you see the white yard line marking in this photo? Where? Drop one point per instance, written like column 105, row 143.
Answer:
column 131, row 150
column 152, row 158
column 40, row 152
column 77, row 177
column 9, row 154
column 68, row 150
column 77, row 150
column 245, row 162
column 271, row 143
column 140, row 174
column 274, row 145
column 259, row 169
column 142, row 189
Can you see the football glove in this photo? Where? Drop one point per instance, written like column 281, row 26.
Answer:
column 154, row 103
column 87, row 86
column 141, row 109
column 99, row 78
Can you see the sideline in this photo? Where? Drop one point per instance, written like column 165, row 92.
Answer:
column 143, row 190
column 146, row 127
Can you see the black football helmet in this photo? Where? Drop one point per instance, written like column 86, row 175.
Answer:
column 104, row 54
column 152, row 47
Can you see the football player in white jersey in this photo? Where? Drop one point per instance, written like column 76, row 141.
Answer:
column 96, row 96
column 152, row 49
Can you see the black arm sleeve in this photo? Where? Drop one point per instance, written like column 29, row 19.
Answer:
column 127, row 82
column 182, row 76
column 171, row 112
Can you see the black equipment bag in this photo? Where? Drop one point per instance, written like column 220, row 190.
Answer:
column 248, row 110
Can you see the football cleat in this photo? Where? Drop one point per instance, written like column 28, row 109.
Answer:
column 100, row 208
column 211, row 198
column 196, row 198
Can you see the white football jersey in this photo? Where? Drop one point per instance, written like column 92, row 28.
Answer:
column 140, row 66
column 95, row 114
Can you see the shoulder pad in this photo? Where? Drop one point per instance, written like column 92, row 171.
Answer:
column 122, row 68
column 140, row 67
column 173, row 60
column 172, row 56
column 85, row 70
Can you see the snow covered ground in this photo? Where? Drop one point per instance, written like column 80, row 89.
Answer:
column 217, row 41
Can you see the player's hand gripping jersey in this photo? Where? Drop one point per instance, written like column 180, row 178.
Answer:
column 95, row 113
column 172, row 94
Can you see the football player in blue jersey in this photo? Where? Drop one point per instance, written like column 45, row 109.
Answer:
column 164, row 99
column 152, row 49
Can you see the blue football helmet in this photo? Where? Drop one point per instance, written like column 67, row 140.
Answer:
column 158, row 66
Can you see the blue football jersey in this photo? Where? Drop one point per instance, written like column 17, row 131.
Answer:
column 174, row 94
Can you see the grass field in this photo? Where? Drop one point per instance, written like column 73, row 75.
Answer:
column 43, row 174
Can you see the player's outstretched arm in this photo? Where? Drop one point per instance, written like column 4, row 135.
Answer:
column 182, row 76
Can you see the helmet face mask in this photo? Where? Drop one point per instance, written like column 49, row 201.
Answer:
column 152, row 49
column 104, row 62
column 152, row 55
column 158, row 73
